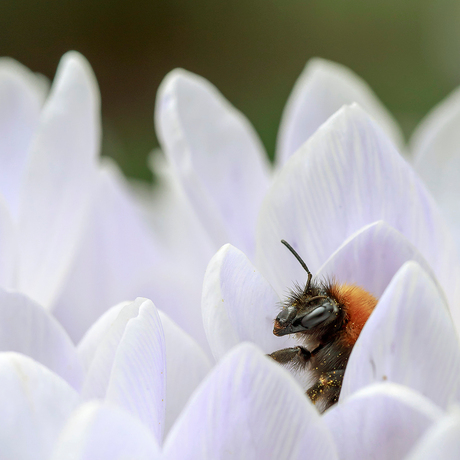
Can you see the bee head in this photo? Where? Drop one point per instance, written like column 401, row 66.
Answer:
column 305, row 309
column 306, row 313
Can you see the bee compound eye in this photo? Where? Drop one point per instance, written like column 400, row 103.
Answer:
column 286, row 315
column 316, row 316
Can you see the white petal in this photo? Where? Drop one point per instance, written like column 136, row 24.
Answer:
column 21, row 100
column 371, row 257
column 169, row 212
column 58, row 181
column 380, row 422
column 138, row 378
column 35, row 403
column 441, row 441
column 409, row 339
column 88, row 345
column 8, row 246
column 116, row 257
column 436, row 150
column 98, row 375
column 346, row 176
column 186, row 366
column 238, row 304
column 321, row 90
column 104, row 432
column 25, row 327
column 249, row 407
column 128, row 366
column 217, row 155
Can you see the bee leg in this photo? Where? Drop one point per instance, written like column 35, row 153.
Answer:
column 328, row 388
column 297, row 356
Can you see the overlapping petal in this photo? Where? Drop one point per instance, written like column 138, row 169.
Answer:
column 441, row 440
column 381, row 421
column 409, row 339
column 371, row 257
column 21, row 98
column 346, row 176
column 238, row 304
column 116, row 260
column 104, row 432
column 217, row 155
column 128, row 367
column 25, row 327
column 186, row 366
column 35, row 404
column 436, row 156
column 58, row 180
column 8, row 246
column 249, row 407
column 322, row 89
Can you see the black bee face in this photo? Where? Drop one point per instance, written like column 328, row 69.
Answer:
column 305, row 314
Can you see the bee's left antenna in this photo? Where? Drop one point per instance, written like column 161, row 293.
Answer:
column 304, row 265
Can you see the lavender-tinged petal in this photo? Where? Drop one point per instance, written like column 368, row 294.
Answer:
column 21, row 100
column 116, row 258
column 25, row 327
column 238, row 304
column 436, row 156
column 442, row 440
column 186, row 366
column 35, row 404
column 58, row 180
column 371, row 257
column 381, row 422
column 346, row 176
column 409, row 339
column 322, row 89
column 249, row 407
column 217, row 155
column 138, row 376
column 104, row 432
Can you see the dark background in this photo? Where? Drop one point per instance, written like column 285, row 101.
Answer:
column 252, row 50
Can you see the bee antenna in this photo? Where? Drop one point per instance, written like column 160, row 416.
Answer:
column 304, row 265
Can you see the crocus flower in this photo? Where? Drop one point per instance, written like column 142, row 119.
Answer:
column 369, row 220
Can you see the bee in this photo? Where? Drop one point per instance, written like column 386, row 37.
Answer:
column 327, row 319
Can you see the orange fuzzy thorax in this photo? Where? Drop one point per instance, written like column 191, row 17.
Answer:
column 358, row 305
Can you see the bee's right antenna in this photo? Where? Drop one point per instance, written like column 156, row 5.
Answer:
column 304, row 265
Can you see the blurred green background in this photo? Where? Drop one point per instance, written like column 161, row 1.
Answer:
column 252, row 50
